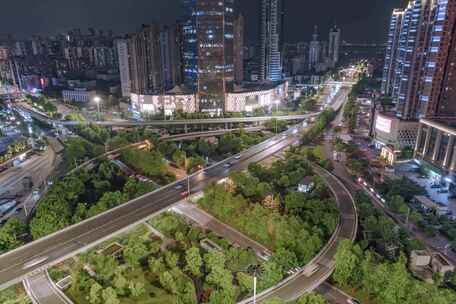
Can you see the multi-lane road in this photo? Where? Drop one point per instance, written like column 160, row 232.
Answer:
column 38, row 168
column 33, row 257
column 161, row 123
column 15, row 265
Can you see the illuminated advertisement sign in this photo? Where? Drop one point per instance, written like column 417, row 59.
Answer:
column 383, row 124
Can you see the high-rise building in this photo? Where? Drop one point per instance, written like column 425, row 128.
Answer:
column 334, row 45
column 417, row 58
column 215, row 36
column 391, row 50
column 239, row 49
column 145, row 61
column 170, row 52
column 269, row 62
column 189, row 44
column 438, row 91
column 314, row 50
column 124, row 66
column 403, row 75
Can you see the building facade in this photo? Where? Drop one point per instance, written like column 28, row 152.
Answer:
column 334, row 45
column 418, row 57
column 145, row 64
column 391, row 51
column 189, row 44
column 171, row 55
column 124, row 66
column 239, row 49
column 78, row 95
column 314, row 50
column 436, row 144
column 245, row 99
column 269, row 63
column 215, row 36
column 390, row 131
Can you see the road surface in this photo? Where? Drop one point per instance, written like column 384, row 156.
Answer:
column 209, row 222
column 437, row 243
column 160, row 123
column 42, row 290
column 38, row 167
column 302, row 283
column 77, row 238
column 332, row 294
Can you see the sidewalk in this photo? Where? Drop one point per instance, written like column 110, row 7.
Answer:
column 436, row 243
column 207, row 221
column 42, row 290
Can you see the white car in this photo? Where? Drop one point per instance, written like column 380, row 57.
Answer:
column 353, row 301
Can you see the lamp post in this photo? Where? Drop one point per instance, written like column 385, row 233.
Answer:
column 277, row 111
column 97, row 100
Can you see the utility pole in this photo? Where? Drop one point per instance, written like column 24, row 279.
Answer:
column 407, row 219
column 188, row 184
column 254, row 287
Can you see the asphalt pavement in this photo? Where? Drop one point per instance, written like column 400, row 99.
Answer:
column 16, row 264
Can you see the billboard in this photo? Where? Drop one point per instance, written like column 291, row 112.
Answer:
column 383, row 124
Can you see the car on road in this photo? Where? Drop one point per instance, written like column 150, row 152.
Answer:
column 237, row 157
column 227, row 165
column 353, row 301
column 184, row 194
column 178, row 187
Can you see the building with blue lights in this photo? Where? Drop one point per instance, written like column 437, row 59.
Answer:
column 269, row 62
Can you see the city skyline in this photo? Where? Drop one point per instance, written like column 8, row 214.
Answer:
column 358, row 19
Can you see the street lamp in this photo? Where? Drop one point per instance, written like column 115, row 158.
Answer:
column 97, row 100
column 277, row 102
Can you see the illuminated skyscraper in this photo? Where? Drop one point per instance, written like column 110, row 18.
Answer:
column 209, row 51
column 189, row 44
column 334, row 45
column 417, row 74
column 392, row 50
column 269, row 62
column 314, row 50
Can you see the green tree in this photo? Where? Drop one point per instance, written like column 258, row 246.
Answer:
column 136, row 288
column 109, row 296
column 134, row 251
column 346, row 263
column 168, row 282
column 245, row 282
column 120, row 283
column 286, row 259
column 214, row 259
column 312, row 298
column 271, row 274
column 9, row 234
column 95, row 294
column 194, row 261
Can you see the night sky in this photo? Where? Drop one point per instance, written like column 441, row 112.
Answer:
column 360, row 20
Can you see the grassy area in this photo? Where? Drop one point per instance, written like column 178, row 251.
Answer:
column 14, row 295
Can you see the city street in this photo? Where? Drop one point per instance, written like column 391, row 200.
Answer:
column 38, row 167
column 438, row 242
column 16, row 264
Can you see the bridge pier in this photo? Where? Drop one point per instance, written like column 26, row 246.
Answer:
column 185, row 128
